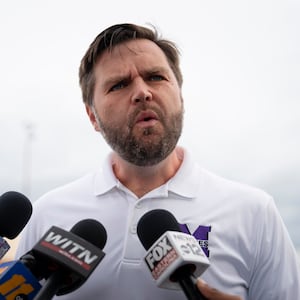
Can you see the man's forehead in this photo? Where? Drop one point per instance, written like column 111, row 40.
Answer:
column 133, row 48
column 141, row 53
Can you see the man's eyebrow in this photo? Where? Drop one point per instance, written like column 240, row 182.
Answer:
column 155, row 70
column 115, row 79
column 126, row 77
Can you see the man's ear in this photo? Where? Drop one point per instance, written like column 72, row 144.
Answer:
column 92, row 117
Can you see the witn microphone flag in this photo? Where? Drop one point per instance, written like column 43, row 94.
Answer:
column 171, row 251
column 69, row 258
column 69, row 250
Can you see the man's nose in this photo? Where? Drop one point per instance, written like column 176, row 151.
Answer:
column 141, row 91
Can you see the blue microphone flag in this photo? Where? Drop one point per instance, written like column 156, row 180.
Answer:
column 17, row 282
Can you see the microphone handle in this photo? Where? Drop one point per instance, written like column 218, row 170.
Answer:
column 51, row 286
column 187, row 283
column 190, row 289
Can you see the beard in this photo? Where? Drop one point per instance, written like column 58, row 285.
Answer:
column 151, row 146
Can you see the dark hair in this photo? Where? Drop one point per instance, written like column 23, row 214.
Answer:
column 113, row 36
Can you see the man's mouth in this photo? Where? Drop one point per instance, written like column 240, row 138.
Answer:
column 146, row 118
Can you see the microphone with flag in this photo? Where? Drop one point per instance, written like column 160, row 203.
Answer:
column 69, row 258
column 16, row 281
column 63, row 259
column 175, row 259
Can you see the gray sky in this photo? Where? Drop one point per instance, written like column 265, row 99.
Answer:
column 241, row 66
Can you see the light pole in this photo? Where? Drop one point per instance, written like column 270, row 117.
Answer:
column 27, row 158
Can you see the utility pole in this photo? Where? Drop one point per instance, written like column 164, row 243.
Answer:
column 27, row 159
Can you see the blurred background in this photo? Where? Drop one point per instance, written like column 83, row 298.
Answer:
column 241, row 66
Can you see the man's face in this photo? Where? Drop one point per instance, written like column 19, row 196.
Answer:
column 138, row 106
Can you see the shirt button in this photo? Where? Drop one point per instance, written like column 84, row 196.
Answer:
column 139, row 205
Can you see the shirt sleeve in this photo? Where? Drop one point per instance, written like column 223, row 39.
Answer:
column 276, row 273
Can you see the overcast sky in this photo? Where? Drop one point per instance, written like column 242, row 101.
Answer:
column 241, row 66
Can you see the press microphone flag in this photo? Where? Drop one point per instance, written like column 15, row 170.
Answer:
column 67, row 250
column 70, row 255
column 171, row 251
column 174, row 258
column 17, row 282
column 68, row 258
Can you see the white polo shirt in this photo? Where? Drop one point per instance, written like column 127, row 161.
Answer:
column 239, row 227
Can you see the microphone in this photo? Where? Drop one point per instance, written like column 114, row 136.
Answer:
column 67, row 258
column 17, row 282
column 174, row 258
column 20, row 279
column 15, row 212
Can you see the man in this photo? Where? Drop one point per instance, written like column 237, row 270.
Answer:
column 131, row 86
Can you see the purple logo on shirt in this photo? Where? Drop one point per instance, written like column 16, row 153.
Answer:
column 200, row 234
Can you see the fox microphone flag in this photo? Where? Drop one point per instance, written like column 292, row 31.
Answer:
column 174, row 258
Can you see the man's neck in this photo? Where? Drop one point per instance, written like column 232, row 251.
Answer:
column 142, row 180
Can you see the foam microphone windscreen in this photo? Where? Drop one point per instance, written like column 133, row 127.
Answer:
column 15, row 212
column 92, row 231
column 154, row 224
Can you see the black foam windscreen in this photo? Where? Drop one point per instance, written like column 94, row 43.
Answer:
column 153, row 224
column 92, row 231
column 15, row 212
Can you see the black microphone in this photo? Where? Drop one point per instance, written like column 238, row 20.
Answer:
column 66, row 259
column 15, row 212
column 19, row 279
column 174, row 258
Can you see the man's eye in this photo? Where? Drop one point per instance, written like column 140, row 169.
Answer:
column 118, row 86
column 156, row 78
